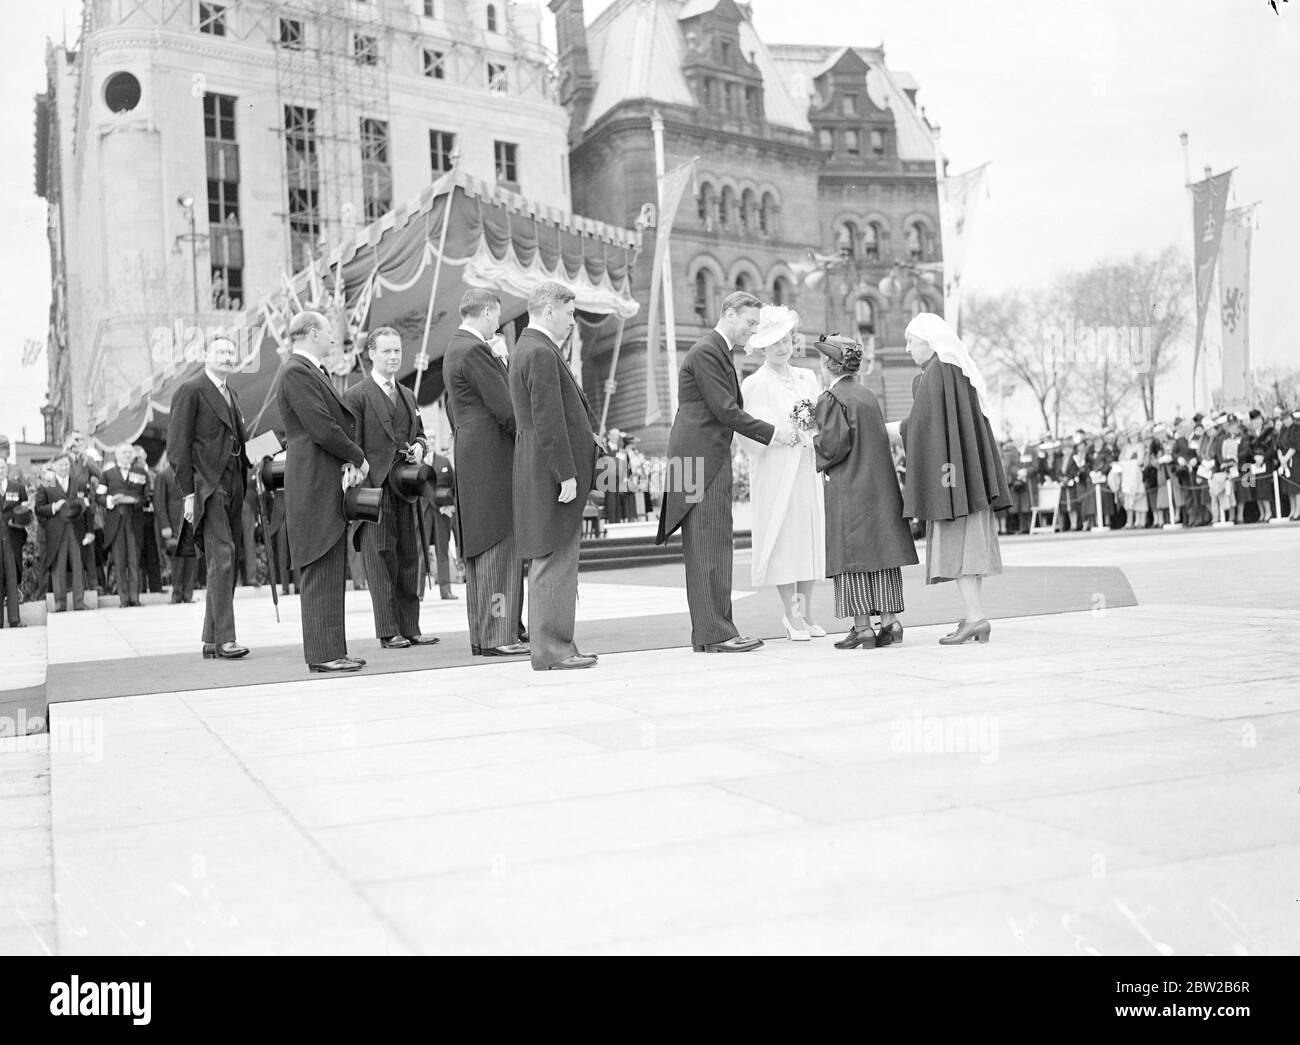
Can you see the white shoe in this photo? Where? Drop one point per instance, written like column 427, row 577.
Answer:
column 816, row 631
column 794, row 634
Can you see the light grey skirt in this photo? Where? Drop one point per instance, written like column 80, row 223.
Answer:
column 965, row 547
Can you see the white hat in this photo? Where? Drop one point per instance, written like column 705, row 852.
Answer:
column 774, row 322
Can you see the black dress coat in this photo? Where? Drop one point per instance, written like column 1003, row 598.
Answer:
column 482, row 417
column 318, row 430
column 201, row 437
column 14, row 517
column 118, row 483
column 555, row 440
column 954, row 467
column 710, row 410
column 75, row 514
column 865, row 528
column 374, row 426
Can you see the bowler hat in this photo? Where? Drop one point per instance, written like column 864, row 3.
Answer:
column 361, row 503
column 272, row 474
column 412, row 481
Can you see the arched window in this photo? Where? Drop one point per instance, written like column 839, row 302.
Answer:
column 704, row 296
column 748, row 211
column 727, row 208
column 706, row 206
column 871, row 242
column 781, row 291
column 916, row 241
column 745, row 282
column 864, row 318
column 492, row 18
column 846, row 240
column 767, row 215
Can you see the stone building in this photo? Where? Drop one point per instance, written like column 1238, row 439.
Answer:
column 193, row 153
column 815, row 185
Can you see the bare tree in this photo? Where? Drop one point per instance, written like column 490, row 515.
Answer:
column 1142, row 305
column 1276, row 385
column 1011, row 331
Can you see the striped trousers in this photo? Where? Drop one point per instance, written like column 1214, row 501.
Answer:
column 494, row 594
column 707, row 547
column 324, row 587
column 390, row 550
column 553, row 603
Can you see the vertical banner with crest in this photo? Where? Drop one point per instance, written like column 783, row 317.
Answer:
column 1234, row 303
column 959, row 198
column 1209, row 202
column 674, row 187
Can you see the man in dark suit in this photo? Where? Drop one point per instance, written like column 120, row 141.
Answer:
column 205, row 442
column 483, row 420
column 322, row 457
column 697, row 486
column 168, row 506
column 85, row 472
column 63, row 509
column 15, row 514
column 554, row 470
column 391, row 433
column 125, row 491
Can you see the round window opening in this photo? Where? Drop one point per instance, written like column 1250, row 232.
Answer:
column 122, row 92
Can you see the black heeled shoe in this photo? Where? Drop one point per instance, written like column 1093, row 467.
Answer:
column 863, row 637
column 895, row 633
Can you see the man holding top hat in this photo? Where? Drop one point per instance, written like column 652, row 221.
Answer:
column 17, row 513
column 205, row 444
column 391, row 433
column 483, row 418
column 322, row 460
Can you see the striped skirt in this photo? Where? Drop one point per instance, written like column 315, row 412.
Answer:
column 862, row 594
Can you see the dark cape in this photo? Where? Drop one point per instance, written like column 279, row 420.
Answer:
column 954, row 467
column 865, row 529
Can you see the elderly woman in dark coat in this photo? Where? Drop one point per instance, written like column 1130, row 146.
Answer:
column 955, row 480
column 867, row 538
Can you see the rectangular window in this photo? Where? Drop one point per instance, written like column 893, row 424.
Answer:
column 852, row 142
column 212, row 19
column 435, row 64
column 850, row 105
column 726, row 52
column 496, row 77
column 877, row 143
column 507, row 162
column 430, row 9
column 376, row 174
column 219, row 117
column 826, row 139
column 442, row 146
column 752, row 108
column 304, row 183
column 291, row 34
column 225, row 237
column 365, row 49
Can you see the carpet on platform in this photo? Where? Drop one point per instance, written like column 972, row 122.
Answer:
column 1019, row 592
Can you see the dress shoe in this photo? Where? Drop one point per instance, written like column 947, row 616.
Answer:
column 449, row 595
column 422, row 640
column 578, row 660
column 17, row 624
column 740, row 644
column 225, row 651
column 341, row 664
column 976, row 629
column 864, row 637
column 358, row 661
column 795, row 634
column 960, row 624
column 395, row 642
column 895, row 633
column 517, row 649
column 475, row 651
column 523, row 635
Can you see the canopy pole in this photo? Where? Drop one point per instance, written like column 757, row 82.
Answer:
column 422, row 359
column 611, row 383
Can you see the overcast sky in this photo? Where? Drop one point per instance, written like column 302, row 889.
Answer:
column 1078, row 105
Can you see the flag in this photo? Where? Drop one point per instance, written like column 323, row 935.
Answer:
column 1234, row 303
column 959, row 198
column 671, row 189
column 1209, row 201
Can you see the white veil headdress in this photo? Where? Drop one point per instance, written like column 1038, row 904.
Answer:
column 936, row 333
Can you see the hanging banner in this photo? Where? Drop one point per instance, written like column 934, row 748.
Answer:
column 1209, row 201
column 1234, row 303
column 959, row 198
column 674, row 187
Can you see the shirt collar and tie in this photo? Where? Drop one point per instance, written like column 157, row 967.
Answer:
column 220, row 381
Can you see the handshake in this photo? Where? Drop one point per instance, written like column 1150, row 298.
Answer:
column 786, row 435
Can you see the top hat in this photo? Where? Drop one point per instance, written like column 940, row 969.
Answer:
column 272, row 474
column 361, row 503
column 412, row 481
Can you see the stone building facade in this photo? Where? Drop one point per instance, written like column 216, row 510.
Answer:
column 275, row 126
column 815, row 184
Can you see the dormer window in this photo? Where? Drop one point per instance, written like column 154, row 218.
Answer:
column 726, row 53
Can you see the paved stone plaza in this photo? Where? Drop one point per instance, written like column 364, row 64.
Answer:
column 1124, row 781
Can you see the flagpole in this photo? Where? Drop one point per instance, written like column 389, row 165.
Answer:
column 670, row 318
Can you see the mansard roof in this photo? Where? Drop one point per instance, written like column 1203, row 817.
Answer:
column 801, row 64
column 637, row 48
